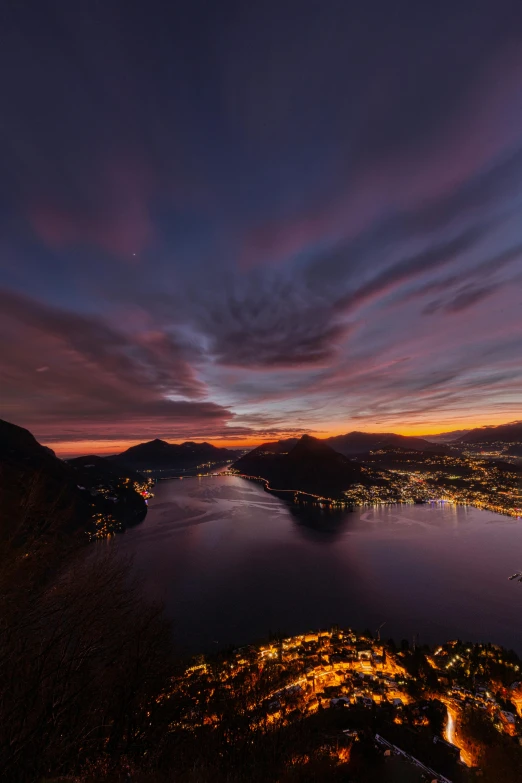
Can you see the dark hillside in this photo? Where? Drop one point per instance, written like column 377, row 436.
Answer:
column 362, row 442
column 160, row 455
column 39, row 493
column 310, row 466
column 45, row 500
column 505, row 433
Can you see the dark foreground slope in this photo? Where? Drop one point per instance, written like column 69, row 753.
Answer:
column 160, row 455
column 309, row 466
column 322, row 706
column 43, row 498
column 39, row 494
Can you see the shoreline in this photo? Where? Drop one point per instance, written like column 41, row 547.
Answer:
column 337, row 502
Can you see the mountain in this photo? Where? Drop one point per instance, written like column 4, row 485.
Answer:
column 160, row 455
column 96, row 470
column 446, row 437
column 45, row 499
column 275, row 447
column 39, row 495
column 118, row 491
column 504, row 433
column 362, row 442
column 310, row 465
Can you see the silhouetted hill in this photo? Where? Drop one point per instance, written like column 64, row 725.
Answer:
column 118, row 491
column 504, row 433
column 160, row 455
column 362, row 442
column 39, row 496
column 44, row 498
column 94, row 469
column 311, row 465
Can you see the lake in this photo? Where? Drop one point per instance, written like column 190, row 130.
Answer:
column 232, row 563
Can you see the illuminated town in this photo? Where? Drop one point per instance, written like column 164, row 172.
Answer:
column 107, row 523
column 468, row 478
column 426, row 707
column 419, row 477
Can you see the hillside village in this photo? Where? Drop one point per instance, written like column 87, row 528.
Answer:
column 413, row 704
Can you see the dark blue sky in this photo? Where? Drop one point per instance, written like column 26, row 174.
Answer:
column 234, row 220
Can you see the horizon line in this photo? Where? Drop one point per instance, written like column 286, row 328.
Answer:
column 69, row 448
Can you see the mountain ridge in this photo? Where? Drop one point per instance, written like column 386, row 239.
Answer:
column 44, row 498
column 355, row 442
column 159, row 454
column 311, row 466
column 502, row 433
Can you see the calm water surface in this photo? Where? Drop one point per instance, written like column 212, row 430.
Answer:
column 232, row 562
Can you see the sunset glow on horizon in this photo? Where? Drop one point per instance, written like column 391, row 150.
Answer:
column 67, row 449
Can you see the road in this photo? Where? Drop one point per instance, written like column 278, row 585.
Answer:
column 451, row 733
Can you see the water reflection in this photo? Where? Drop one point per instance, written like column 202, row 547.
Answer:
column 319, row 524
column 232, row 561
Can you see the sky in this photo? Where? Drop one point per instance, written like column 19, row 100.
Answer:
column 239, row 221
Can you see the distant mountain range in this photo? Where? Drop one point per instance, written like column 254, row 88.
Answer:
column 362, row 442
column 446, row 437
column 42, row 496
column 160, row 455
column 308, row 465
column 504, row 433
column 385, row 473
column 359, row 443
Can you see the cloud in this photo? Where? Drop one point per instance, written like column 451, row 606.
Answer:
column 271, row 325
column 398, row 163
column 469, row 297
column 464, row 299
column 152, row 360
column 96, row 379
column 433, row 258
column 472, row 276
